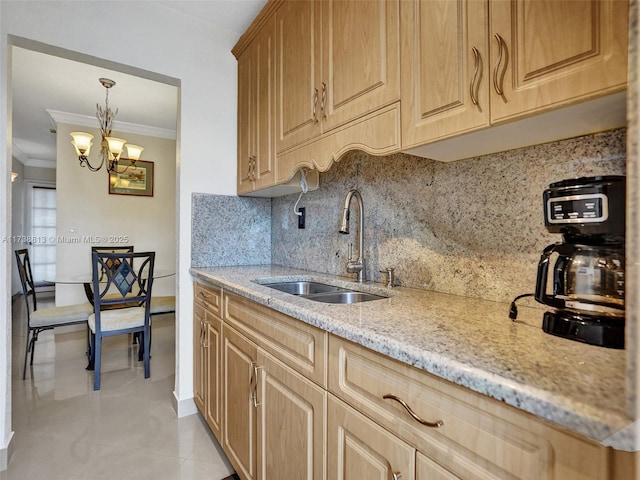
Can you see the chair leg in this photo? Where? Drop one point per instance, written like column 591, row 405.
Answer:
column 92, row 350
column 97, row 351
column 26, row 354
column 147, row 355
column 34, row 339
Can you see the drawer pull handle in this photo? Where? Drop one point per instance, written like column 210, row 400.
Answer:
column 397, row 476
column 436, row 424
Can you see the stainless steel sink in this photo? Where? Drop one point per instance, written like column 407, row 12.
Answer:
column 321, row 292
column 345, row 297
column 303, row 287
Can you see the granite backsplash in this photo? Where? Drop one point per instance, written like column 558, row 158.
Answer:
column 473, row 227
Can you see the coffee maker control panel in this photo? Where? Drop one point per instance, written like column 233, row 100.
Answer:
column 586, row 206
column 577, row 209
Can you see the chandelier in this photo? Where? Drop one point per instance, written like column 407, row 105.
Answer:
column 110, row 147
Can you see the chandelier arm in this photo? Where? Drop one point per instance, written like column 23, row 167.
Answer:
column 84, row 162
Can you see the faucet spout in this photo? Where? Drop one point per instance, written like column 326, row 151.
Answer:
column 357, row 266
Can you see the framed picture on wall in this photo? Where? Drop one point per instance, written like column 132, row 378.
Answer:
column 132, row 178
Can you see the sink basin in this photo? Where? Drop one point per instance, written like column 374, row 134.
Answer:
column 344, row 297
column 303, row 287
column 321, row 292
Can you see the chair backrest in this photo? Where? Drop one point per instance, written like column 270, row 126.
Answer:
column 127, row 280
column 111, row 249
column 26, row 279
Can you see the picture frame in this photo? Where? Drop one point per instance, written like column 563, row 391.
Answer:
column 132, row 178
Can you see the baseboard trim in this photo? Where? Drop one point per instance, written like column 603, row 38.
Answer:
column 184, row 407
column 5, row 454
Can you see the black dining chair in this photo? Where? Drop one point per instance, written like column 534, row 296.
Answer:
column 121, row 302
column 41, row 319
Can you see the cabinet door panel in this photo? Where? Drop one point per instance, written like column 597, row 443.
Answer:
column 265, row 115
column 213, row 383
column 239, row 424
column 358, row 448
column 298, row 72
column 246, row 130
column 291, row 423
column 441, row 76
column 427, row 469
column 557, row 52
column 199, row 358
column 361, row 58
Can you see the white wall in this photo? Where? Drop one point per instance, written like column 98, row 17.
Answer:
column 147, row 36
column 86, row 211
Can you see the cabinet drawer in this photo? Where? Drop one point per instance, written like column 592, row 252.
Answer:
column 300, row 346
column 208, row 296
column 480, row 438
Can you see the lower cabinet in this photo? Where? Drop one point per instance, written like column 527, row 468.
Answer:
column 291, row 419
column 239, row 420
column 358, row 448
column 207, row 362
column 273, row 420
column 288, row 401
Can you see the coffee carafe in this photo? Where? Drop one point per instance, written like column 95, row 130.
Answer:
column 588, row 281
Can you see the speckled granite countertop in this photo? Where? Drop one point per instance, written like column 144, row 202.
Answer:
column 469, row 342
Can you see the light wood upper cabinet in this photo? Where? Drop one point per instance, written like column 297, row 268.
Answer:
column 469, row 64
column 556, row 52
column 337, row 61
column 298, row 75
column 445, row 67
column 256, row 112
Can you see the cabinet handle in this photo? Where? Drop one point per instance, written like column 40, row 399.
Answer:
column 324, row 99
column 252, row 168
column 397, row 476
column 496, row 69
column 315, row 105
column 436, row 424
column 202, row 333
column 473, row 92
column 253, row 384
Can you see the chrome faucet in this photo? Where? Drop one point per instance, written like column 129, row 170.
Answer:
column 356, row 266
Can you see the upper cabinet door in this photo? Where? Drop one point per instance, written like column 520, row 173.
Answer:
column 256, row 112
column 298, row 25
column 552, row 52
column 361, row 59
column 265, row 108
column 445, row 71
column 246, row 127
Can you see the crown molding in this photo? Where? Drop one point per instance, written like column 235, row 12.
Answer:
column 125, row 127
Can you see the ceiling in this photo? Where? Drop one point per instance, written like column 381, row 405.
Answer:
column 70, row 89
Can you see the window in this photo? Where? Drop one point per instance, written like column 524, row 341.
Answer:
column 43, row 234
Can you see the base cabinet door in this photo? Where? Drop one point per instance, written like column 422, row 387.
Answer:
column 360, row 449
column 199, row 358
column 239, row 417
column 213, row 386
column 291, row 412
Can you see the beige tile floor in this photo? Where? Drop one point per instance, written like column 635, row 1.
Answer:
column 128, row 430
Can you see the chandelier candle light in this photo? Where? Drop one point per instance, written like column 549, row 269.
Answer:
column 110, row 147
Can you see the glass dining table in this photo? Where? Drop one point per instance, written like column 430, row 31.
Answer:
column 86, row 280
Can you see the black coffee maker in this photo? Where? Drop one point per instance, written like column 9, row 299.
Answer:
column 588, row 273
